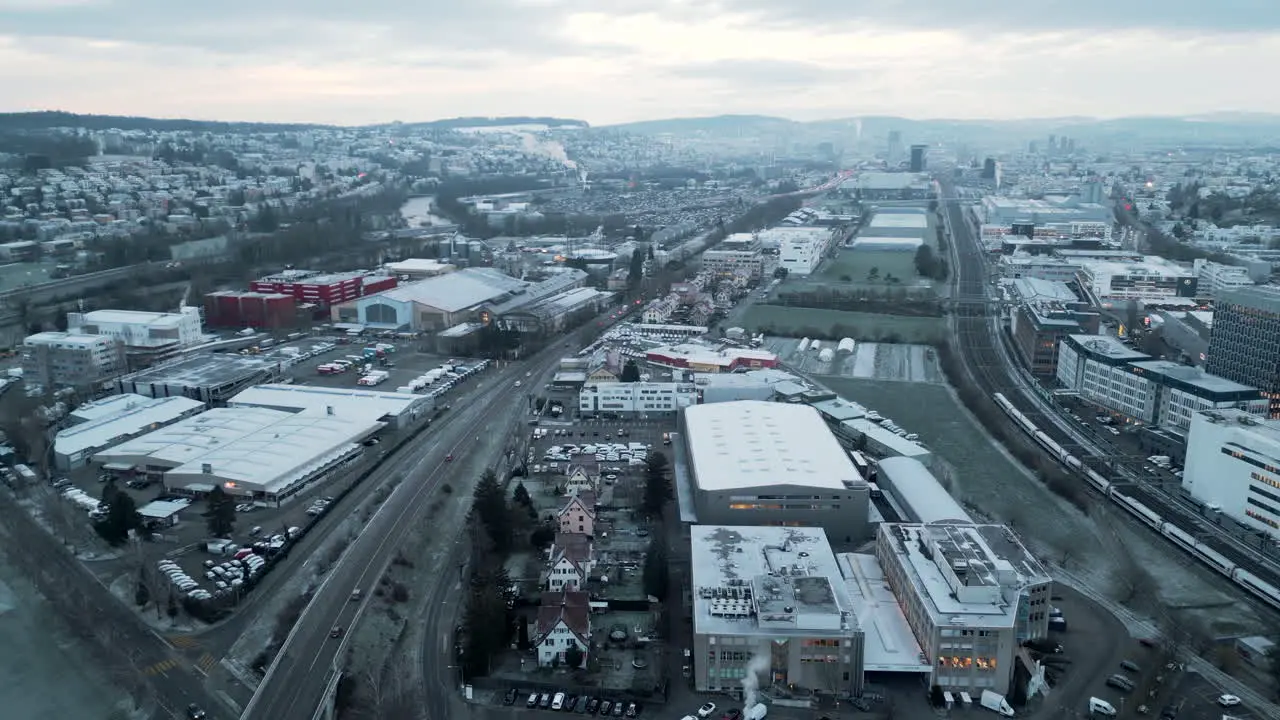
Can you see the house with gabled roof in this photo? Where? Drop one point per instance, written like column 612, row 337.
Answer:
column 578, row 514
column 570, row 561
column 564, row 620
column 578, row 481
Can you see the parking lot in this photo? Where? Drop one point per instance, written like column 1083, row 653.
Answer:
column 1199, row 700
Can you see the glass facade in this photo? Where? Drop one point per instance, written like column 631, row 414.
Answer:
column 1244, row 343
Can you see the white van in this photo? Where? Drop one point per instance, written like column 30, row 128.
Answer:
column 1098, row 706
column 557, row 703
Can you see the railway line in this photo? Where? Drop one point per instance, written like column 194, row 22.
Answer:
column 977, row 331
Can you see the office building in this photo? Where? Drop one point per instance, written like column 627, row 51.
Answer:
column 141, row 330
column 1214, row 278
column 971, row 594
column 771, row 601
column 1052, row 222
column 1154, row 281
column 1244, row 344
column 1041, row 267
column 892, row 186
column 766, row 463
column 800, row 249
column 628, row 399
column 701, row 358
column 1152, row 392
column 53, row 360
column 893, row 154
column 1233, row 466
column 919, row 158
column 1046, row 314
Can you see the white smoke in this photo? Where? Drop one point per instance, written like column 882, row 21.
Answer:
column 758, row 666
column 857, row 124
column 547, row 148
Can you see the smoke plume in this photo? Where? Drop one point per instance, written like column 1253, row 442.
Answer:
column 758, row 666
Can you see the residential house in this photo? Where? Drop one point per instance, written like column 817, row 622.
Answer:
column 571, row 558
column 578, row 482
column 564, row 620
column 602, row 374
column 578, row 514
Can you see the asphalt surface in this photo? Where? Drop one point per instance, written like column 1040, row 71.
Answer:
column 977, row 339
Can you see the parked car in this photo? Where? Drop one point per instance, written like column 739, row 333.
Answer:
column 706, row 710
column 510, row 697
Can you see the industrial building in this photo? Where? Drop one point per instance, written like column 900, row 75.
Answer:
column 701, row 358
column 1043, row 267
column 253, row 453
column 471, row 295
column 971, row 594
column 257, row 310
column 393, row 409
column 323, row 289
column 892, row 186
column 75, row 445
column 766, row 463
column 1050, row 221
column 800, row 249
column 1154, row 281
column 628, row 399
column 739, row 253
column 771, row 601
column 212, row 379
column 894, row 229
column 148, row 337
column 53, row 360
column 1244, row 344
column 750, row 385
column 1233, row 467
column 412, row 269
column 1153, row 392
column 917, row 495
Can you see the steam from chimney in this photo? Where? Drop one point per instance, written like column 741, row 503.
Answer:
column 758, row 666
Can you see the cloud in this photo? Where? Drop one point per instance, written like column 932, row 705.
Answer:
column 364, row 61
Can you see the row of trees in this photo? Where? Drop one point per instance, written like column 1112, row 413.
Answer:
column 929, row 265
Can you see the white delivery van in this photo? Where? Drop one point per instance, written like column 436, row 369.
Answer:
column 1098, row 706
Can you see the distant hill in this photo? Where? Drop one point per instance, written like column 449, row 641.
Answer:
column 34, row 121
column 1209, row 128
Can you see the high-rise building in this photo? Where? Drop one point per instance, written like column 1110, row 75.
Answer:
column 989, row 169
column 918, row 157
column 1244, row 344
column 894, row 154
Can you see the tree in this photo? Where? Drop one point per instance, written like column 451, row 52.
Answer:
column 522, row 498
column 121, row 517
column 630, row 372
column 220, row 513
column 491, row 511
column 656, row 568
column 657, row 484
column 636, row 269
column 574, row 656
column 542, row 537
column 485, row 624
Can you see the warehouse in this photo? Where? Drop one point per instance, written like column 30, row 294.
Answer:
column 119, row 423
column 917, row 494
column 765, row 463
column 394, row 409
column 253, row 453
column 211, row 379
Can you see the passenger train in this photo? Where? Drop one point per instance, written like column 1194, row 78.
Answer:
column 1264, row 591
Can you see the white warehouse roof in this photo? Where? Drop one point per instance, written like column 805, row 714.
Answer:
column 349, row 403
column 926, row 500
column 192, row 438
column 753, row 443
column 457, row 290
column 127, row 420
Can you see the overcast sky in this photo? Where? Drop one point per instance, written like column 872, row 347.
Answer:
column 607, row 61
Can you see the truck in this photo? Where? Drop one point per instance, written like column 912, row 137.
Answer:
column 377, row 377
column 995, row 702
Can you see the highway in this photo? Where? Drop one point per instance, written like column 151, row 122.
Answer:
column 979, row 334
column 295, row 684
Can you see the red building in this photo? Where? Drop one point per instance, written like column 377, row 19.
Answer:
column 323, row 290
column 233, row 309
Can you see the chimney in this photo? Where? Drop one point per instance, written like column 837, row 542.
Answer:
column 206, row 468
column 328, row 409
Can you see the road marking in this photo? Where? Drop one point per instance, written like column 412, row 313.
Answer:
column 206, row 663
column 182, row 641
column 161, row 667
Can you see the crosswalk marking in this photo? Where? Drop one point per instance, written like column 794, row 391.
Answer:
column 182, row 641
column 160, row 667
column 207, row 662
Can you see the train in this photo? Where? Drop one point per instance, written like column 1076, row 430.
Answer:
column 1251, row 583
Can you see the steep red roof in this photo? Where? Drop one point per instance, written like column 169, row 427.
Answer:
column 573, row 607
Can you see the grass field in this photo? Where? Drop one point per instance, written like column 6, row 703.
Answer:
column 857, row 265
column 797, row 322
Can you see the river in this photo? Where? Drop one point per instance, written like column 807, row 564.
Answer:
column 417, row 211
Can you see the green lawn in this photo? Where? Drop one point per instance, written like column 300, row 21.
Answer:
column 798, row 322
column 858, row 264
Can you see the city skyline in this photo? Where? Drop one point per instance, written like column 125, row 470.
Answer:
column 350, row 64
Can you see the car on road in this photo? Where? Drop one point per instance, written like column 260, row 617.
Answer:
column 336, row 632
column 448, row 458
column 1228, row 700
column 356, row 595
column 706, row 710
column 194, row 712
column 510, row 697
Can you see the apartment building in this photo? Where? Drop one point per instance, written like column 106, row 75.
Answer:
column 622, row 398
column 1215, row 278
column 53, row 360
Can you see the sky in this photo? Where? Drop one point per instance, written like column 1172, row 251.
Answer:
column 609, row 61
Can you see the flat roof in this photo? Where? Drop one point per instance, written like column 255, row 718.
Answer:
column 1262, row 297
column 212, row 370
column 892, row 441
column 767, row 581
column 879, row 240
column 839, row 409
column 920, row 493
column 966, row 574
column 753, row 443
column 348, row 403
column 1192, row 376
column 193, row 437
column 126, row 421
column 1244, row 421
column 109, row 405
column 132, row 317
column 882, row 219
column 1154, row 267
column 889, row 645
column 1036, row 289
column 53, row 337
column 1106, row 346
column 160, row 509
column 456, row 291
